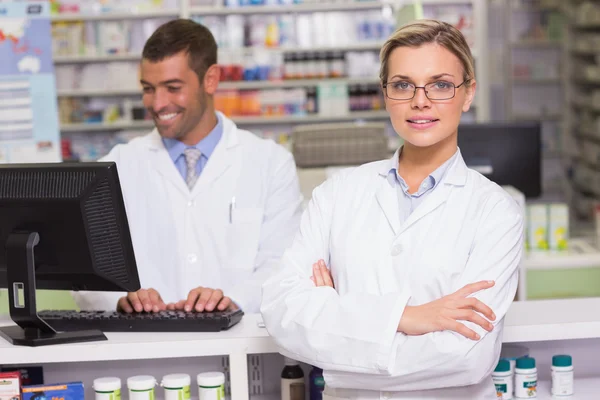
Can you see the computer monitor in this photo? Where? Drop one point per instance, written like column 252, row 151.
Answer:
column 63, row 226
column 508, row 153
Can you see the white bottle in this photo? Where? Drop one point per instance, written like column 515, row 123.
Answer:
column 141, row 387
column 503, row 380
column 562, row 375
column 176, row 386
column 107, row 388
column 525, row 378
column 211, row 386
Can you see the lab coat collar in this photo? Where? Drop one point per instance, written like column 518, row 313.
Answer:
column 221, row 159
column 387, row 196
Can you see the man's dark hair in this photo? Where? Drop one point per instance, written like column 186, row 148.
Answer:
column 184, row 35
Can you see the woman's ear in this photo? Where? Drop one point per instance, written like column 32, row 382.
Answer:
column 469, row 95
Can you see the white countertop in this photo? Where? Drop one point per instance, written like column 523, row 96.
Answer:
column 529, row 321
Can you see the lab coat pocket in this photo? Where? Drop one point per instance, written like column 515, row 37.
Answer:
column 243, row 237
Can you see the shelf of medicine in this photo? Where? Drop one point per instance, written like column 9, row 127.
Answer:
column 77, row 59
column 93, row 59
column 292, row 8
column 226, row 86
column 355, row 115
column 107, row 126
column 264, row 120
column 108, row 16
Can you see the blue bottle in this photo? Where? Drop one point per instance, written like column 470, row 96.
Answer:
column 316, row 383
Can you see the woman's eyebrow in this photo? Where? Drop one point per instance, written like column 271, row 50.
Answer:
column 437, row 76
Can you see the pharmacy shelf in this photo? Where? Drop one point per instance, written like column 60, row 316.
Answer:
column 581, row 254
column 263, row 120
column 94, row 59
column 99, row 93
column 106, row 127
column 287, row 9
column 108, row 16
column 302, row 119
column 295, row 83
column 241, row 85
column 78, row 59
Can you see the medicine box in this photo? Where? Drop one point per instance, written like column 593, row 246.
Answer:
column 10, row 386
column 537, row 227
column 558, row 231
column 58, row 391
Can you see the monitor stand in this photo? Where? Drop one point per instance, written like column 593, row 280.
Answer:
column 31, row 330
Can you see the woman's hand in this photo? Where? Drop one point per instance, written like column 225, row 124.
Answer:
column 321, row 275
column 443, row 314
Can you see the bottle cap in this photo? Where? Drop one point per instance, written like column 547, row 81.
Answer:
column 503, row 366
column 210, row 379
column 107, row 384
column 525, row 363
column 141, row 382
column 562, row 360
column 175, row 381
column 290, row 362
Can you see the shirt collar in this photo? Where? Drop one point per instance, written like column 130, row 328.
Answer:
column 435, row 177
column 206, row 146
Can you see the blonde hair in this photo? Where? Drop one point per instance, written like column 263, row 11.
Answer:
column 426, row 31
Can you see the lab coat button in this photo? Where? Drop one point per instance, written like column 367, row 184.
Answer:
column 190, row 203
column 192, row 258
column 396, row 250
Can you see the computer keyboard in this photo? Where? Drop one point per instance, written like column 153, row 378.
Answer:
column 162, row 321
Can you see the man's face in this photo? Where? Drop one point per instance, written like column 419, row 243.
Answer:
column 173, row 95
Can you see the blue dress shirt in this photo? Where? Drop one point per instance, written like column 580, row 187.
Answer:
column 408, row 203
column 207, row 145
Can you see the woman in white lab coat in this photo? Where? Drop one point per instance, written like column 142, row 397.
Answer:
column 399, row 279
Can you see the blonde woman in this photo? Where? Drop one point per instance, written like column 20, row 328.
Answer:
column 399, row 279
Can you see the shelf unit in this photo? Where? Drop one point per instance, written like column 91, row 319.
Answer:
column 534, row 76
column 583, row 111
column 187, row 10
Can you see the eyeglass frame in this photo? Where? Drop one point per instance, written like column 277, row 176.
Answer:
column 384, row 86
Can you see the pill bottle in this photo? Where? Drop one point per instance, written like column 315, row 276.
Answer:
column 176, row 386
column 141, row 387
column 211, row 386
column 525, row 378
column 562, row 375
column 292, row 381
column 108, row 388
column 503, row 380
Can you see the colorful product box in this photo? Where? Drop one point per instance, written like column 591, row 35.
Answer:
column 10, row 386
column 58, row 391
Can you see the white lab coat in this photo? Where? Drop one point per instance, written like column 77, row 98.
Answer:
column 184, row 239
column 469, row 229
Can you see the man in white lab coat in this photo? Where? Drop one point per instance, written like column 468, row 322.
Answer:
column 211, row 208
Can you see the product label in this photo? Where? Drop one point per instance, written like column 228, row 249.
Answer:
column 501, row 388
column 530, row 388
column 562, row 383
